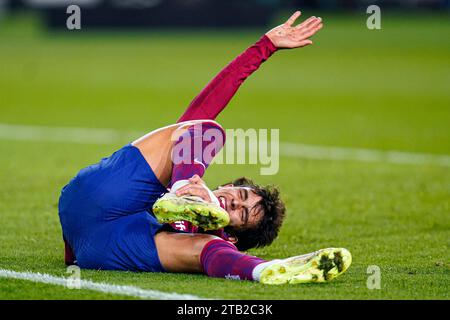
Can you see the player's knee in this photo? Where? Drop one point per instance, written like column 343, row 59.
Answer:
column 201, row 240
column 213, row 128
column 210, row 124
column 208, row 129
column 206, row 134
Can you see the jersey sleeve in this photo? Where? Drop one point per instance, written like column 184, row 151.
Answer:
column 221, row 89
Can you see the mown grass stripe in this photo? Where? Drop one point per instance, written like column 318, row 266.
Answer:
column 287, row 149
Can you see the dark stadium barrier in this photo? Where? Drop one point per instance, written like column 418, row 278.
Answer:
column 160, row 13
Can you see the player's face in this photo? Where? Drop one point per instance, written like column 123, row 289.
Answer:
column 241, row 203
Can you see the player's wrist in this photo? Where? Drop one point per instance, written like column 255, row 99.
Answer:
column 268, row 43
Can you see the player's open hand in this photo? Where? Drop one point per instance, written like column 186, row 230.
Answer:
column 288, row 36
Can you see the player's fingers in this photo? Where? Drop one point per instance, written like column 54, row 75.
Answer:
column 305, row 43
column 310, row 32
column 306, row 33
column 292, row 19
column 313, row 23
column 188, row 189
column 194, row 191
column 304, row 23
column 195, row 179
column 183, row 189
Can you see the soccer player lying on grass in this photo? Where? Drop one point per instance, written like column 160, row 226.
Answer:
column 146, row 208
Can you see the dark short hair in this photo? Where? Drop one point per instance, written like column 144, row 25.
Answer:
column 273, row 208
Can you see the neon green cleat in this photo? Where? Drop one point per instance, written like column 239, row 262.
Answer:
column 208, row 216
column 320, row 266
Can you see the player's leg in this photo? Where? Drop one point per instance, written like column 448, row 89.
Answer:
column 134, row 177
column 200, row 140
column 180, row 252
column 120, row 185
column 177, row 153
column 185, row 252
column 218, row 258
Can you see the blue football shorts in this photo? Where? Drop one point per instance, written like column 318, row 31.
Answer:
column 106, row 215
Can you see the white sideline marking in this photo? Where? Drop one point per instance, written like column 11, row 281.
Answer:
column 97, row 286
column 64, row 134
column 305, row 151
column 287, row 149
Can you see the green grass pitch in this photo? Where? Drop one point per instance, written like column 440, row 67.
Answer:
column 384, row 90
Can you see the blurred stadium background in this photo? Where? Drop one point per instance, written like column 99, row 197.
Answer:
column 199, row 13
column 69, row 98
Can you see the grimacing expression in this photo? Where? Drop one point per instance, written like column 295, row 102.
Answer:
column 241, row 203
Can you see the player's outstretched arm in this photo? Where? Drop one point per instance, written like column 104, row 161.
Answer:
column 288, row 36
column 221, row 89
